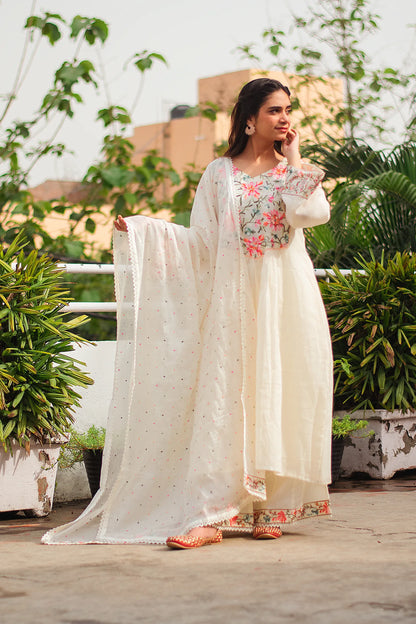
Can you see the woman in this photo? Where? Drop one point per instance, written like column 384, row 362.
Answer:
column 221, row 414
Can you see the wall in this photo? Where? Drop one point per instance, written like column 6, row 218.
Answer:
column 72, row 484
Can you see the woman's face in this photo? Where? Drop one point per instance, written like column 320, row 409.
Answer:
column 272, row 122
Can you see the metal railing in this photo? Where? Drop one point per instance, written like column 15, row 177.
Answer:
column 83, row 307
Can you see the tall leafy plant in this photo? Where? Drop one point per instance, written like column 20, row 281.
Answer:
column 373, row 197
column 20, row 150
column 329, row 39
column 372, row 316
column 38, row 376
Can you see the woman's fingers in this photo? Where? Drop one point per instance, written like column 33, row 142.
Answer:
column 290, row 148
column 290, row 136
column 292, row 139
column 120, row 224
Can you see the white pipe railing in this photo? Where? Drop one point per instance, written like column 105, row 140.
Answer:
column 83, row 307
column 326, row 272
column 69, row 267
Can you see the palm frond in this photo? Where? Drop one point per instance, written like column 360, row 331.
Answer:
column 373, row 201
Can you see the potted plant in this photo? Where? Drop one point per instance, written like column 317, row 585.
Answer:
column 38, row 377
column 372, row 317
column 87, row 447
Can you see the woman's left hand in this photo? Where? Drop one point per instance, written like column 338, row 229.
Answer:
column 120, row 224
column 290, row 148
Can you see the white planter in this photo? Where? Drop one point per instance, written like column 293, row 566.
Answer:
column 391, row 448
column 27, row 481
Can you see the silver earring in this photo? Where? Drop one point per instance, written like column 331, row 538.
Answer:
column 250, row 129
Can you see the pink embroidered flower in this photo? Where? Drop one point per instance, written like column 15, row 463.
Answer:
column 254, row 245
column 251, row 189
column 281, row 516
column 324, row 508
column 278, row 170
column 274, row 219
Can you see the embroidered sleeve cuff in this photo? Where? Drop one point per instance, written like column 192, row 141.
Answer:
column 302, row 182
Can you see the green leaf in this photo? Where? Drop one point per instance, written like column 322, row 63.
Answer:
column 131, row 198
column 90, row 225
column 120, row 204
column 174, row 177
column 73, row 248
column 400, row 393
column 275, row 48
column 144, row 60
column 182, row 218
column 47, row 28
column 381, row 378
column 8, row 429
column 116, row 176
column 71, row 73
column 18, row 398
column 52, row 32
column 93, row 29
column 114, row 114
column 181, row 198
column 308, row 53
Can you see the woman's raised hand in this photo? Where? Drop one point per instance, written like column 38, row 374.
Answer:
column 290, row 148
column 120, row 224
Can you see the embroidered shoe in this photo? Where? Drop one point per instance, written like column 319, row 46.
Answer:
column 266, row 532
column 184, row 542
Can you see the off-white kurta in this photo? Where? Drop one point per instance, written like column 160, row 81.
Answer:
column 215, row 407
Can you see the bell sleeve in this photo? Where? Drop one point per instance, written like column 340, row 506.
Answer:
column 304, row 197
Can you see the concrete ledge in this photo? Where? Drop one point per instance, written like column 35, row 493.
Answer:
column 392, row 447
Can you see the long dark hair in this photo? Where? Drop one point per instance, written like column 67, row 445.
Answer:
column 251, row 98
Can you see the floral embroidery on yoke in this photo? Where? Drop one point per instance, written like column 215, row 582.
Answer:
column 261, row 210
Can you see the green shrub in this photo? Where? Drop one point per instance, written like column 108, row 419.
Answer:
column 343, row 427
column 37, row 374
column 372, row 317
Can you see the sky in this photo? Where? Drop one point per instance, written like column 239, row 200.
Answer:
column 198, row 39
